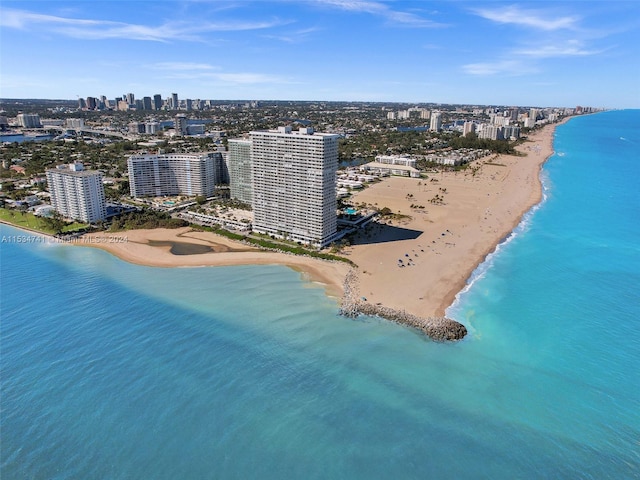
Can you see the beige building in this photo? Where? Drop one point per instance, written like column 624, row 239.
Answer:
column 294, row 184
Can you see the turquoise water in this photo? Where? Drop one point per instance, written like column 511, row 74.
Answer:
column 111, row 370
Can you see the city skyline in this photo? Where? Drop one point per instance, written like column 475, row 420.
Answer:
column 551, row 54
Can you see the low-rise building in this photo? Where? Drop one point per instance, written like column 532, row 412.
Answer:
column 384, row 169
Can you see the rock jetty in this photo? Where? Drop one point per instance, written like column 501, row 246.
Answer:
column 437, row 328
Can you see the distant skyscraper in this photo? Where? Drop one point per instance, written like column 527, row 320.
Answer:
column 92, row 103
column 173, row 174
column 188, row 103
column 294, row 184
column 181, row 125
column 436, row 122
column 131, row 99
column 157, row 102
column 468, row 127
column 240, row 183
column 77, row 193
column 146, row 103
column 533, row 114
column 174, row 101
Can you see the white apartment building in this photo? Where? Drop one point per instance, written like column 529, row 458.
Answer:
column 29, row 120
column 511, row 132
column 294, row 184
column 492, row 132
column 396, row 160
column 181, row 124
column 156, row 175
column 77, row 193
column 436, row 122
column 74, row 123
column 240, row 182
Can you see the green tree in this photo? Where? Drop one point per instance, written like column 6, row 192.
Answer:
column 55, row 223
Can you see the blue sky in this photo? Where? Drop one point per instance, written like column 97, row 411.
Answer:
column 534, row 53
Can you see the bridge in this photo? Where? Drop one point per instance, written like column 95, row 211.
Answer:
column 91, row 131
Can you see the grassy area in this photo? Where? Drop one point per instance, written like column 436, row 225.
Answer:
column 30, row 221
column 273, row 245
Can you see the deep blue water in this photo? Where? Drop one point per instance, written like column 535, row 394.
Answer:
column 111, row 370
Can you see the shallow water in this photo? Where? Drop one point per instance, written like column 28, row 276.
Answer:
column 112, row 370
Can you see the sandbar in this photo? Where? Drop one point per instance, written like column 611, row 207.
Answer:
column 187, row 247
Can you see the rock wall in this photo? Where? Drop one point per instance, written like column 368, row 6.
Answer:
column 438, row 328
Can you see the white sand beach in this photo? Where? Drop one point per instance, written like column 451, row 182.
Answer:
column 439, row 245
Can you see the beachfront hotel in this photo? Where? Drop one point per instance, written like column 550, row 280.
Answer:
column 77, row 193
column 157, row 175
column 240, row 182
column 294, row 184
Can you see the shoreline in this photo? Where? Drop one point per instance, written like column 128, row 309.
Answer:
column 152, row 248
column 480, row 211
column 536, row 199
column 455, row 236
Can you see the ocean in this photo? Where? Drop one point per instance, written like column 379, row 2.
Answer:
column 118, row 371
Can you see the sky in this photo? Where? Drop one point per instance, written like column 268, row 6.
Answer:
column 534, row 53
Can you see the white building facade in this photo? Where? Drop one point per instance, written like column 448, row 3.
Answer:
column 435, row 124
column 29, row 120
column 294, row 184
column 76, row 193
column 157, row 175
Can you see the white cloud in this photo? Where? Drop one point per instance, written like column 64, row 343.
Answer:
column 503, row 67
column 528, row 18
column 294, row 37
column 106, row 29
column 571, row 49
column 183, row 66
column 381, row 9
